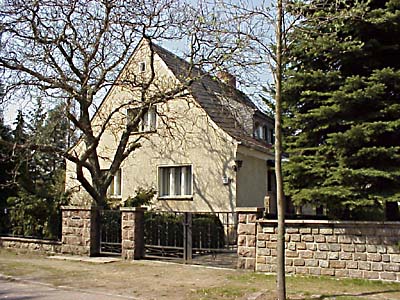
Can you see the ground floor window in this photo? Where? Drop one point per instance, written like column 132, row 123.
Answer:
column 115, row 188
column 175, row 181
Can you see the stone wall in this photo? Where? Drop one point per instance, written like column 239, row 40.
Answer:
column 79, row 230
column 247, row 237
column 35, row 245
column 369, row 250
column 132, row 226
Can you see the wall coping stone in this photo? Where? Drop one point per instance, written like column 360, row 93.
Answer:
column 133, row 209
column 30, row 240
column 331, row 222
column 249, row 209
column 80, row 207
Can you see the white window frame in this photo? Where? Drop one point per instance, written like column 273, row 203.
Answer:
column 172, row 180
column 114, row 183
column 148, row 122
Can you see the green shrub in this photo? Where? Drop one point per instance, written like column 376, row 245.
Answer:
column 143, row 197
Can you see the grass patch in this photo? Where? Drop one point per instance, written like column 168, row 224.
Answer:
column 251, row 277
column 322, row 287
column 226, row 293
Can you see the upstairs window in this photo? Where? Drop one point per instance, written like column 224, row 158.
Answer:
column 115, row 188
column 271, row 136
column 175, row 181
column 147, row 123
column 258, row 132
column 266, row 134
column 142, row 67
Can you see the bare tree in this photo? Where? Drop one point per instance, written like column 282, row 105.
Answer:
column 281, row 284
column 72, row 51
column 260, row 32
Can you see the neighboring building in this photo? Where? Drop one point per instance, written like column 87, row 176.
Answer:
column 207, row 150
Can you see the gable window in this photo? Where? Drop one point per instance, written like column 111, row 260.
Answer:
column 175, row 181
column 147, row 123
column 115, row 188
column 142, row 67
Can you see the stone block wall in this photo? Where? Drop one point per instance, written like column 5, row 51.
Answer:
column 35, row 245
column 79, row 231
column 247, row 236
column 369, row 250
column 132, row 226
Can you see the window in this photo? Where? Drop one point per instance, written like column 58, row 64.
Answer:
column 115, row 188
column 265, row 134
column 175, row 181
column 268, row 135
column 258, row 132
column 142, row 67
column 147, row 123
column 271, row 136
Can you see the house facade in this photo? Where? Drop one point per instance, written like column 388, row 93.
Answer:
column 208, row 149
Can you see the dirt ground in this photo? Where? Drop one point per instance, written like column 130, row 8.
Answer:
column 170, row 281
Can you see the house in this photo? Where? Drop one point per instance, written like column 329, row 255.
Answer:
column 209, row 149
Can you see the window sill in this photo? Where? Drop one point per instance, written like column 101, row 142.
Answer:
column 115, row 196
column 188, row 197
column 143, row 132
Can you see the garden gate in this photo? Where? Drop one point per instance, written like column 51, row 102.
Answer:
column 110, row 231
column 197, row 238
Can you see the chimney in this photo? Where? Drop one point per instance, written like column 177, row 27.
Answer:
column 227, row 78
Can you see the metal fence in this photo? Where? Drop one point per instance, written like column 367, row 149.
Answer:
column 187, row 236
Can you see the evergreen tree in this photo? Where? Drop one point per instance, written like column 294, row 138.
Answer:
column 34, row 210
column 342, row 95
column 6, row 175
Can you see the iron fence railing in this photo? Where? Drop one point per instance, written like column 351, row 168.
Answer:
column 184, row 235
column 110, row 231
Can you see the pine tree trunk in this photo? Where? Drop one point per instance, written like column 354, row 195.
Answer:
column 281, row 285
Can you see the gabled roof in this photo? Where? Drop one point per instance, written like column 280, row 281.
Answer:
column 215, row 97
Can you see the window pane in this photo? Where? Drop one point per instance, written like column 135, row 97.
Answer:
column 164, row 182
column 111, row 188
column 265, row 133
column 188, row 181
column 152, row 118
column 177, row 179
column 131, row 114
column 145, row 121
column 272, row 136
column 117, row 183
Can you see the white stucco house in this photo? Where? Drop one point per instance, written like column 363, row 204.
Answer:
column 206, row 150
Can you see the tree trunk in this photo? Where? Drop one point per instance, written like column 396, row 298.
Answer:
column 281, row 284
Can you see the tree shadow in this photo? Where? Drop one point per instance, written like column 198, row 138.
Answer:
column 333, row 296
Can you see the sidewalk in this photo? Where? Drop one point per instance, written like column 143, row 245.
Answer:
column 22, row 289
column 41, row 277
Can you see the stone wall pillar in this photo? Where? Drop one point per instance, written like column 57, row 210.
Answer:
column 247, row 234
column 80, row 230
column 132, row 227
